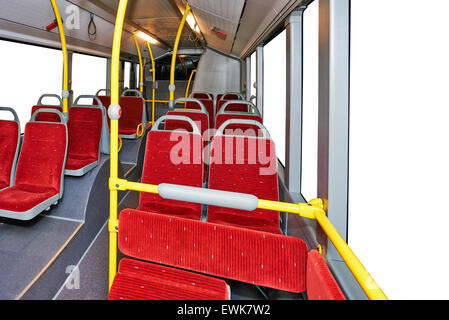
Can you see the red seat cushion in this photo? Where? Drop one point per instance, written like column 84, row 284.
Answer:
column 259, row 258
column 138, row 280
column 172, row 157
column 49, row 117
column 321, row 284
column 84, row 129
column 247, row 165
column 9, row 138
column 23, row 198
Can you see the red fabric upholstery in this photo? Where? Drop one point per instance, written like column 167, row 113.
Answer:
column 208, row 104
column 9, row 138
column 159, row 167
column 221, row 118
column 259, row 258
column 223, row 98
column 105, row 100
column 239, row 107
column 138, row 280
column 199, row 95
column 39, row 168
column 49, row 117
column 321, row 285
column 84, row 136
column 132, row 112
column 247, row 165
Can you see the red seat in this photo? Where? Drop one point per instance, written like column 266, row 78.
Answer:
column 49, row 117
column 222, row 118
column 202, row 95
column 172, row 157
column 39, row 174
column 260, row 258
column 208, row 104
column 84, row 127
column 247, row 165
column 222, row 99
column 9, row 148
column 321, row 284
column 136, row 280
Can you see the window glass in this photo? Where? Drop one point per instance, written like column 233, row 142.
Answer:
column 28, row 72
column 399, row 172
column 127, row 75
column 275, row 91
column 88, row 74
column 253, row 75
column 310, row 103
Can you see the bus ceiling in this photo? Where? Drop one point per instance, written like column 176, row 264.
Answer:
column 233, row 28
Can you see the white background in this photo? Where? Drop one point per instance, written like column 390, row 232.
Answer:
column 89, row 74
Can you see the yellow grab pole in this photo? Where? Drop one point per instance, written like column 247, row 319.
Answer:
column 65, row 82
column 173, row 60
column 115, row 74
column 188, row 86
column 153, row 71
column 140, row 63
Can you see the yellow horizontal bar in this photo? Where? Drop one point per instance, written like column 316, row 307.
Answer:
column 161, row 101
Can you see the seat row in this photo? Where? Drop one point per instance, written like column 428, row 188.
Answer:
column 32, row 169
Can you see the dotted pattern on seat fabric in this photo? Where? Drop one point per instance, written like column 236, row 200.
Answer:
column 241, row 164
column 9, row 138
column 84, row 130
column 138, row 280
column 172, row 157
column 48, row 117
column 321, row 284
column 259, row 258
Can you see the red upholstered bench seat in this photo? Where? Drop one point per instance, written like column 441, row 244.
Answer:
column 138, row 280
column 255, row 257
column 9, row 143
column 22, row 198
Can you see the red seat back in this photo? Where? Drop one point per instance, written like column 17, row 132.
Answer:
column 321, row 284
column 223, row 117
column 132, row 112
column 172, row 157
column 208, row 104
column 42, row 157
column 84, row 128
column 200, row 118
column 9, row 140
column 201, row 95
column 48, row 117
column 248, row 165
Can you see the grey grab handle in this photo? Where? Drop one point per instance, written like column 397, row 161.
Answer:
column 203, row 108
column 250, row 105
column 175, row 117
column 87, row 96
column 49, row 95
column 206, row 93
column 47, row 110
column 16, row 118
column 105, row 90
column 219, row 198
column 227, row 93
column 139, row 94
column 243, row 121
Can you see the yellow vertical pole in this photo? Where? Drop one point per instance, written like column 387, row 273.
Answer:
column 140, row 64
column 188, row 85
column 65, row 82
column 115, row 96
column 153, row 70
column 173, row 60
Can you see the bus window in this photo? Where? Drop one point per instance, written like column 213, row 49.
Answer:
column 398, row 166
column 88, row 74
column 127, row 75
column 28, row 71
column 275, row 91
column 310, row 103
column 253, row 75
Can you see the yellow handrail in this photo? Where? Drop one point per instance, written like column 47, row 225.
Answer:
column 312, row 210
column 140, row 63
column 115, row 96
column 175, row 53
column 65, row 82
column 188, row 84
column 153, row 71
